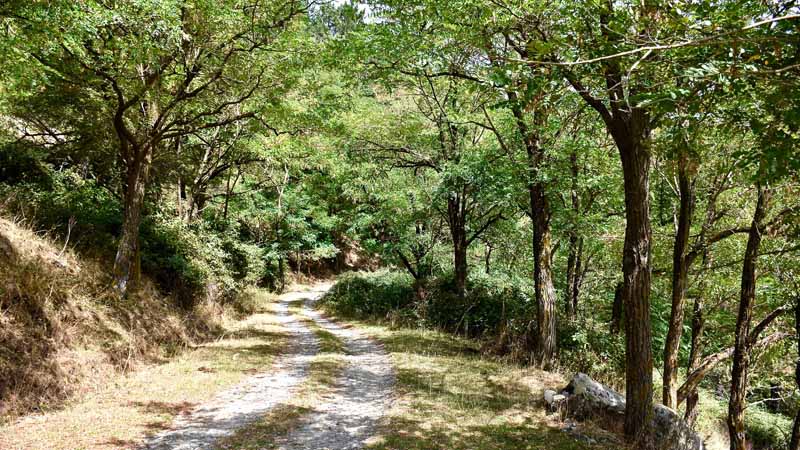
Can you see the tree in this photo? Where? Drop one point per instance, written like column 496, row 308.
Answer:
column 456, row 150
column 629, row 123
column 164, row 71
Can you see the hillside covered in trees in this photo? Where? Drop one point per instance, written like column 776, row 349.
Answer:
column 505, row 191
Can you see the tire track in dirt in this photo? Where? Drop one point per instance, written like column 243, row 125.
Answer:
column 251, row 399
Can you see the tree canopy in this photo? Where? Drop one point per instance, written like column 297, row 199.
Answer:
column 563, row 150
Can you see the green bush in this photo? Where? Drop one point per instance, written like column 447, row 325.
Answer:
column 191, row 260
column 586, row 346
column 370, row 295
column 51, row 204
column 21, row 163
column 492, row 304
column 765, row 429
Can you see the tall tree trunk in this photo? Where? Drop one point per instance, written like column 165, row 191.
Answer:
column 572, row 254
column 543, row 278
column 460, row 266
column 181, row 197
column 545, row 347
column 575, row 242
column 794, row 442
column 126, row 265
column 227, row 201
column 632, row 139
column 488, row 259
column 629, row 126
column 741, row 353
column 698, row 324
column 458, row 233
column 680, row 275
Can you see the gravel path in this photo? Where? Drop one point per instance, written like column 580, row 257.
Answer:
column 357, row 403
column 250, row 400
column 346, row 421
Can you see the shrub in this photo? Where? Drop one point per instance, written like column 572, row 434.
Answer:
column 193, row 261
column 765, row 429
column 365, row 295
column 492, row 305
column 97, row 213
column 190, row 261
column 586, row 346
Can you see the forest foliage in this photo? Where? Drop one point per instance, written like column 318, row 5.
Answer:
column 601, row 186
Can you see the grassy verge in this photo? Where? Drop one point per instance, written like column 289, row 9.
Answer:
column 323, row 373
column 449, row 397
column 129, row 407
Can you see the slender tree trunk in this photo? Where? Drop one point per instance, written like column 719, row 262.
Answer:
column 794, row 442
column 458, row 233
column 543, row 278
column 488, row 259
column 181, row 197
column 545, row 339
column 181, row 183
column 277, row 226
column 696, row 349
column 698, row 324
column 460, row 265
column 227, row 197
column 575, row 243
column 680, row 275
column 616, row 310
column 572, row 254
column 741, row 354
column 126, row 265
column 577, row 279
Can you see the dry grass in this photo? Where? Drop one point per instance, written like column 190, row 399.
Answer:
column 96, row 371
column 63, row 333
column 131, row 406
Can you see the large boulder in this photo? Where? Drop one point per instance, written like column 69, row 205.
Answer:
column 584, row 398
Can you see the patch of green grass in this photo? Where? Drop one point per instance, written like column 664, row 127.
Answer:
column 328, row 342
column 449, row 397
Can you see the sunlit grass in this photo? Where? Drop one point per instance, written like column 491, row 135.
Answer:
column 130, row 407
column 450, row 397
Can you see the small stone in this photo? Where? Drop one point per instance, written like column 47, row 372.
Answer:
column 549, row 396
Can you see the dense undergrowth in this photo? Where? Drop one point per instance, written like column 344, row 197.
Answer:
column 187, row 260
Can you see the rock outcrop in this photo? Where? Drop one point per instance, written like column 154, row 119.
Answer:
column 584, row 398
